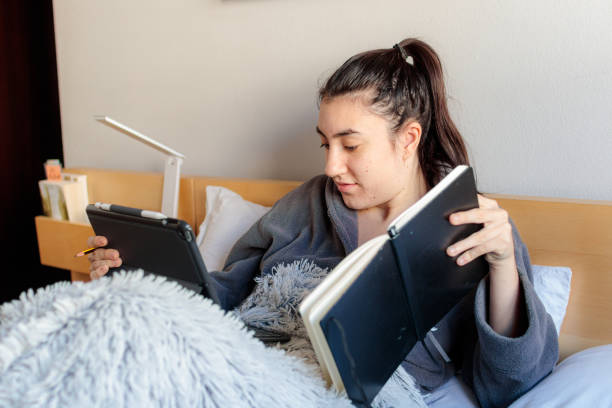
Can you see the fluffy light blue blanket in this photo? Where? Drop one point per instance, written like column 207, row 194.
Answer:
column 133, row 340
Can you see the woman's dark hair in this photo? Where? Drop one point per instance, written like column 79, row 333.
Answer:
column 406, row 84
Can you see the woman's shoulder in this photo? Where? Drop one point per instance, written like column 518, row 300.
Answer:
column 315, row 185
column 313, row 189
column 300, row 205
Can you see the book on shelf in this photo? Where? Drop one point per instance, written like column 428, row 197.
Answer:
column 65, row 199
column 81, row 204
column 385, row 296
column 53, row 169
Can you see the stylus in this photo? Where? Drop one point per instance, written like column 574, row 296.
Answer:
column 131, row 211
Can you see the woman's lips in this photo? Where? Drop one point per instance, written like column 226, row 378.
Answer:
column 345, row 187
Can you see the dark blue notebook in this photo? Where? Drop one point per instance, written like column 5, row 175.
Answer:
column 381, row 299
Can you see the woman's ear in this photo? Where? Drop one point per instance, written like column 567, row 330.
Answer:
column 408, row 138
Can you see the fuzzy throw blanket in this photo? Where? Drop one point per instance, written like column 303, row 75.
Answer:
column 134, row 340
column 274, row 304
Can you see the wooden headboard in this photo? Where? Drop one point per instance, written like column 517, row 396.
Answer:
column 572, row 233
column 577, row 234
column 144, row 190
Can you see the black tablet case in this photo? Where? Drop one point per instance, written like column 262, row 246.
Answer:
column 407, row 288
column 170, row 249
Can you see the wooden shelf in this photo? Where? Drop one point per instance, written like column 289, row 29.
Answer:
column 59, row 240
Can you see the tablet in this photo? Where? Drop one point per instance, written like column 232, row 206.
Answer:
column 164, row 246
column 151, row 241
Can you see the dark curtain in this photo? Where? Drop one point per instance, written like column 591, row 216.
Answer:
column 30, row 133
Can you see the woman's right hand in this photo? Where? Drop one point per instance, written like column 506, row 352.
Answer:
column 102, row 258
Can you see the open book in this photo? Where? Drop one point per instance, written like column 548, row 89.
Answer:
column 373, row 307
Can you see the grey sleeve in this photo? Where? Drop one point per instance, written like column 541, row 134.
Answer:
column 503, row 368
column 235, row 282
column 267, row 236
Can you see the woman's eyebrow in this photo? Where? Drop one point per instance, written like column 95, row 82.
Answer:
column 345, row 132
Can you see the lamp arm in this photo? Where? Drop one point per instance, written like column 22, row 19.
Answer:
column 137, row 135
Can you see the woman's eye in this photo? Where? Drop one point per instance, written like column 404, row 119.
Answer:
column 350, row 148
column 325, row 146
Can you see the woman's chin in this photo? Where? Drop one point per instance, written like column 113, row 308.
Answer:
column 354, row 203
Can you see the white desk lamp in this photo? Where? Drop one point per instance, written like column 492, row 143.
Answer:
column 172, row 171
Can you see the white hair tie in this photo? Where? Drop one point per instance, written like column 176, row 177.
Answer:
column 405, row 56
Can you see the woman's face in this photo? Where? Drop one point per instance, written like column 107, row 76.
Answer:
column 369, row 167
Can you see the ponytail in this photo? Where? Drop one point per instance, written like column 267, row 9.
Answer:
column 407, row 84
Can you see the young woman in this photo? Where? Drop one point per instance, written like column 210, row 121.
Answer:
column 388, row 138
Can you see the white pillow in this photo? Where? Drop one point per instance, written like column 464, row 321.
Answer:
column 228, row 217
column 552, row 284
column 581, row 380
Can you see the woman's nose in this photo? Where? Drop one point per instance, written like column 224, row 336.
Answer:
column 334, row 164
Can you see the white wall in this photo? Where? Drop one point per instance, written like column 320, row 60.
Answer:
column 232, row 84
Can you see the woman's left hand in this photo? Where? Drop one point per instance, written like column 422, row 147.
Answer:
column 494, row 240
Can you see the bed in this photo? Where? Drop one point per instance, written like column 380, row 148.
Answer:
column 571, row 233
